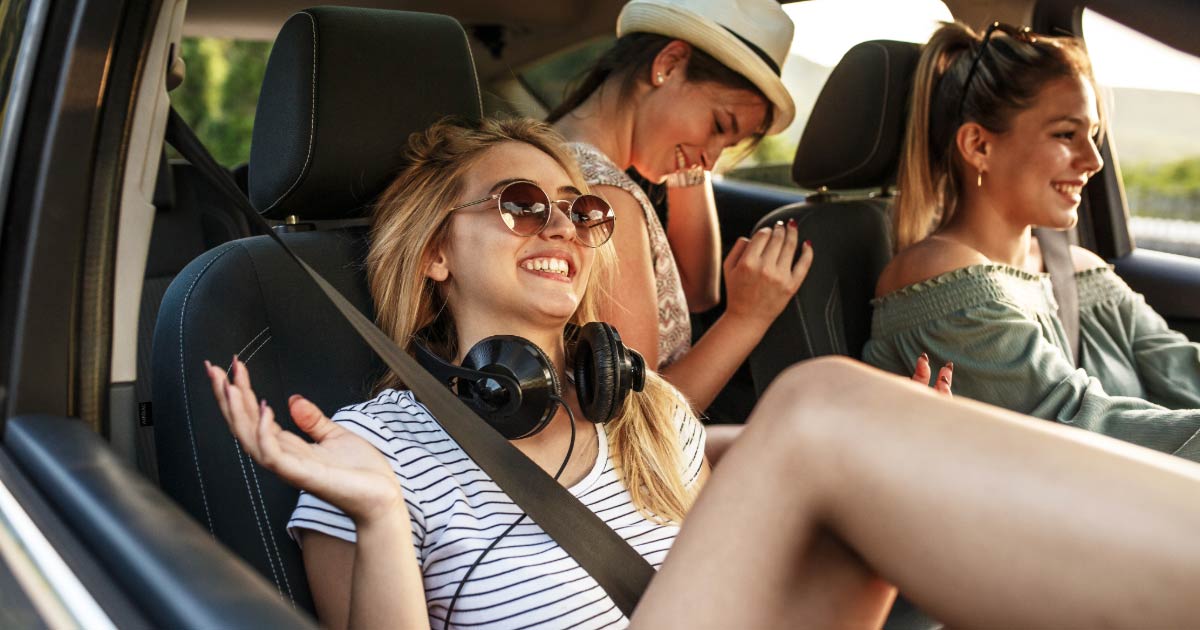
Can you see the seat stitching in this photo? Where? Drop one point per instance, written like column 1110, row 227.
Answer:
column 803, row 325
column 256, row 349
column 312, row 118
column 260, row 333
column 263, row 501
column 183, row 378
column 887, row 64
column 254, row 508
column 830, row 309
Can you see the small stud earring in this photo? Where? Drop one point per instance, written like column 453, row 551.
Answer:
column 659, row 78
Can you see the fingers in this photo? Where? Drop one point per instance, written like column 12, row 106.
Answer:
column 758, row 243
column 944, row 379
column 774, row 247
column 241, row 381
column 309, row 418
column 243, row 424
column 921, row 373
column 803, row 264
column 735, row 253
column 216, row 378
column 791, row 239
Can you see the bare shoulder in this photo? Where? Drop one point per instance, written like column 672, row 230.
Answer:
column 1085, row 259
column 630, row 234
column 924, row 260
column 622, row 201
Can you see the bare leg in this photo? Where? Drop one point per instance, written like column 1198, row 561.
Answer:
column 981, row 516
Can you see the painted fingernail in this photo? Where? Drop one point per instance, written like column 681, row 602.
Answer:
column 807, row 243
column 791, row 223
column 779, row 223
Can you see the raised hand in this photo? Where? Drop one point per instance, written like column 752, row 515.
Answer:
column 762, row 273
column 923, row 372
column 340, row 467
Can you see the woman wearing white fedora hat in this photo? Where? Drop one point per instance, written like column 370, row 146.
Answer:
column 685, row 80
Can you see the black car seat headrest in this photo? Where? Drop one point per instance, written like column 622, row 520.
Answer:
column 854, row 133
column 344, row 88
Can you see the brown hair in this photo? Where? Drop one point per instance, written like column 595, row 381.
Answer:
column 410, row 221
column 1007, row 78
column 629, row 61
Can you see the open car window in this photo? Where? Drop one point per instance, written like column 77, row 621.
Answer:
column 816, row 49
column 1152, row 93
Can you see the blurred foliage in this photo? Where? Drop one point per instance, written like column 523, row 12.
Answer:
column 1180, row 177
column 220, row 88
column 1169, row 190
column 549, row 80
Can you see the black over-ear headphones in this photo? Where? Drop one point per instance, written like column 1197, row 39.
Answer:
column 512, row 384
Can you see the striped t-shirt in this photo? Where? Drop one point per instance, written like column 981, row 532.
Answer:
column 456, row 510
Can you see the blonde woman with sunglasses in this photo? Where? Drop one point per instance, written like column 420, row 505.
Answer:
column 845, row 482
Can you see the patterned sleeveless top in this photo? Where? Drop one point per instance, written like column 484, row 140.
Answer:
column 674, row 325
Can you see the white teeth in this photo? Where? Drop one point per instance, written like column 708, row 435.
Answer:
column 549, row 265
column 1068, row 189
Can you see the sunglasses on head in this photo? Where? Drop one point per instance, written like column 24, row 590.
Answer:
column 525, row 208
column 1024, row 34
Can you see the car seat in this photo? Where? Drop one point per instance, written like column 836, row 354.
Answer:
column 851, row 142
column 343, row 90
column 190, row 218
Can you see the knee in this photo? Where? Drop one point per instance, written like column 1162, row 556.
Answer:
column 812, row 405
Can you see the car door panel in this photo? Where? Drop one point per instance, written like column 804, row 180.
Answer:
column 1171, row 284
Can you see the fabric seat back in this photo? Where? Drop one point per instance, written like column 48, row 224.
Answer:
column 851, row 143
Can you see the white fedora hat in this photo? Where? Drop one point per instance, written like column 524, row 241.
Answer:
column 751, row 37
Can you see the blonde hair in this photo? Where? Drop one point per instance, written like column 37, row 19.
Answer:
column 1007, row 78
column 410, row 222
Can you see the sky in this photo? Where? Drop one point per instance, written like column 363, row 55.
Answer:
column 1121, row 57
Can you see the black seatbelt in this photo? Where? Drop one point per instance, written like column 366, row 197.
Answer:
column 612, row 562
column 1056, row 256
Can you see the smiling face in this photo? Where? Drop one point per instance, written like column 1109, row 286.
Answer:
column 1036, row 170
column 680, row 120
column 497, row 282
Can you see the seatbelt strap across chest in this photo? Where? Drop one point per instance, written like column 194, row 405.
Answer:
column 1056, row 256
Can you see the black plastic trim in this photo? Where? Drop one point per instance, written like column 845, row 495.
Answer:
column 179, row 575
column 43, row 238
column 119, row 608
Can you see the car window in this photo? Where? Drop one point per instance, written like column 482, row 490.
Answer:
column 1152, row 94
column 550, row 78
column 817, row 47
column 222, row 78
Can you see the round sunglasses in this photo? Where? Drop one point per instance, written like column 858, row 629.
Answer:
column 525, row 208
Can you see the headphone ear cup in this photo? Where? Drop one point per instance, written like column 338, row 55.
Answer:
column 515, row 414
column 600, row 383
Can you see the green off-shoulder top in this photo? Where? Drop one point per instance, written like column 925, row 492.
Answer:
column 1138, row 380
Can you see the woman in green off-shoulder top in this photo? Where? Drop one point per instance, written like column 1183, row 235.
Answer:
column 1137, row 379
column 1001, row 138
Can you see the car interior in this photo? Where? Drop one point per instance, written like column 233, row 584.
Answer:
column 124, row 267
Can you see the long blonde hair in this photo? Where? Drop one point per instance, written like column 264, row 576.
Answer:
column 410, row 222
column 1007, row 78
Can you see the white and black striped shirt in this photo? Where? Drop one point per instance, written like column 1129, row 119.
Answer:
column 527, row 580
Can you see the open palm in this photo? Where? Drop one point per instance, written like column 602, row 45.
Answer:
column 339, row 467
